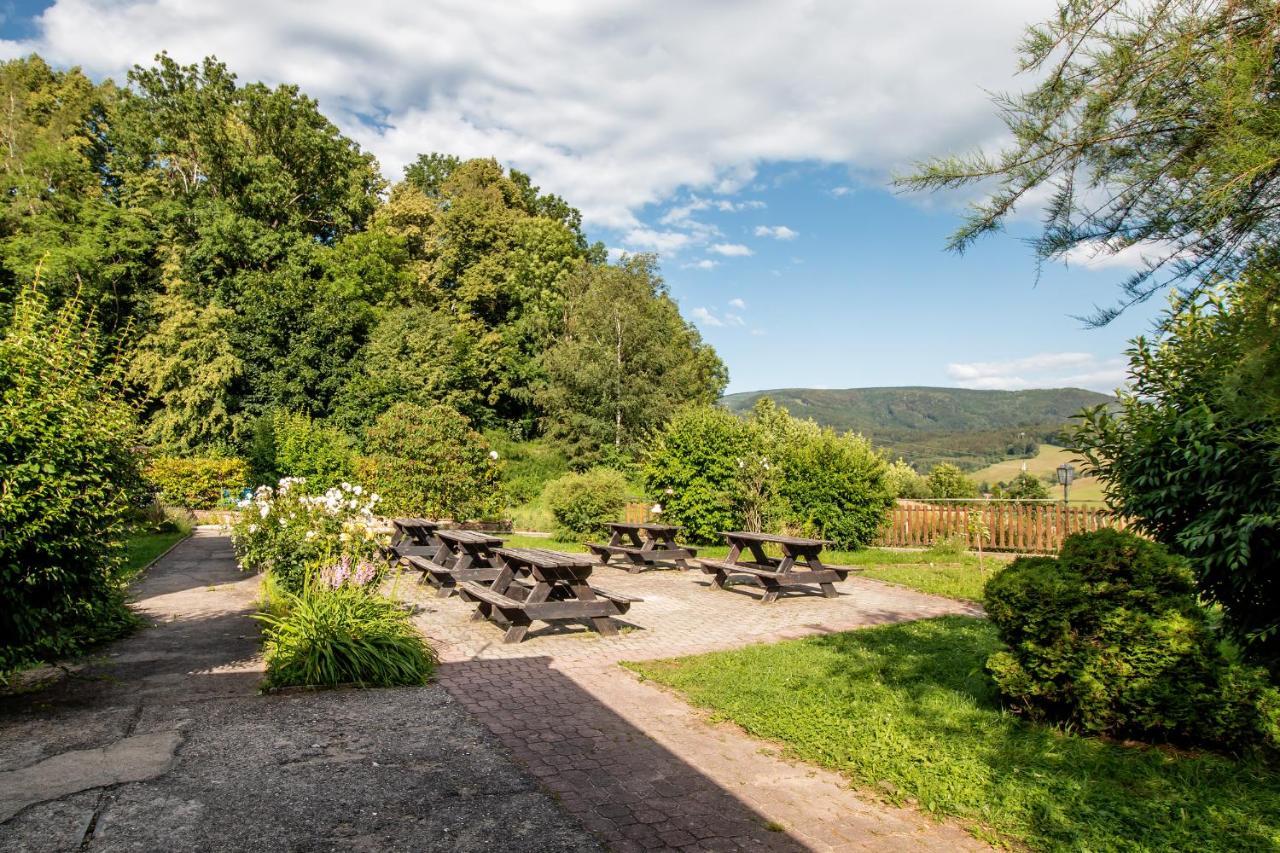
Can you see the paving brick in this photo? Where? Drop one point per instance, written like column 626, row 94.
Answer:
column 638, row 767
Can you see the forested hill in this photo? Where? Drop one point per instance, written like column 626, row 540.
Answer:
column 930, row 425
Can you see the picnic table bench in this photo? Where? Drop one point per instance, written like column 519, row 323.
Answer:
column 460, row 556
column 775, row 575
column 412, row 537
column 645, row 546
column 536, row 584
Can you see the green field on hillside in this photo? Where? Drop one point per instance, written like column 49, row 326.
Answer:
column 1044, row 462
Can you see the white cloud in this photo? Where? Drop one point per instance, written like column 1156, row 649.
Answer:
column 734, row 319
column 705, row 317
column 732, row 250
column 658, row 241
column 704, row 264
column 738, row 303
column 1098, row 255
column 613, row 105
column 778, row 232
column 759, row 333
column 840, row 192
column 1043, row 370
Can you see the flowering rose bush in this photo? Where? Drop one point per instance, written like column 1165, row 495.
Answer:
column 295, row 536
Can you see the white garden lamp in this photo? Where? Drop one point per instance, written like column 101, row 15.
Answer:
column 1066, row 474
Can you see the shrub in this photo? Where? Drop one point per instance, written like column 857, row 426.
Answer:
column 1109, row 637
column 294, row 536
column 1024, row 487
column 831, row 485
column 583, row 504
column 325, row 637
column 292, row 444
column 196, row 483
column 67, row 482
column 691, row 468
column 904, row 482
column 948, row 481
column 429, row 462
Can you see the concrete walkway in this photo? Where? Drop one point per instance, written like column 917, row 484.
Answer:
column 162, row 743
column 639, row 767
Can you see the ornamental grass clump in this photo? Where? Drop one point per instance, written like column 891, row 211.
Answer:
column 329, row 636
column 1109, row 638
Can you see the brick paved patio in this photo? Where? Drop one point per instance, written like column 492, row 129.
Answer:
column 639, row 767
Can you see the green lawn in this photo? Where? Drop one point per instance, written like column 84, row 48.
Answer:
column 952, row 575
column 908, row 713
column 145, row 543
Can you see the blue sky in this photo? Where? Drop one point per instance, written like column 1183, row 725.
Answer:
column 750, row 144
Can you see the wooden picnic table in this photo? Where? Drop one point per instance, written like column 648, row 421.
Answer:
column 747, row 559
column 412, row 537
column 460, row 556
column 645, row 545
column 536, row 584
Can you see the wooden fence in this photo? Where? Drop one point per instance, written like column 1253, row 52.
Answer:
column 1028, row 528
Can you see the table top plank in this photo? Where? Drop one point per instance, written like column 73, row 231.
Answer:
column 545, row 559
column 651, row 526
column 471, row 537
column 795, row 541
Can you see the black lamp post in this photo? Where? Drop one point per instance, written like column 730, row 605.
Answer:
column 1066, row 473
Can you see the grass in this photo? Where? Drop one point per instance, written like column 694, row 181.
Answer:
column 1046, row 461
column 938, row 573
column 148, row 541
column 908, row 713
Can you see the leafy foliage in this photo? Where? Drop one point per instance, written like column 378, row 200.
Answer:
column 691, row 466
column 583, row 504
column 948, row 481
column 292, row 444
column 1153, row 124
column 1025, row 486
column 1109, row 637
column 196, row 482
column 905, row 482
column 429, row 462
column 67, row 483
column 327, row 637
column 713, row 472
column 1193, row 454
column 625, row 358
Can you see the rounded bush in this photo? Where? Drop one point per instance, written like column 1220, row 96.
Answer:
column 1109, row 637
column 429, row 462
column 584, row 504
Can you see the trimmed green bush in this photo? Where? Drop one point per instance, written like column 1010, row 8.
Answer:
column 583, row 504
column 429, row 462
column 67, row 483
column 1109, row 638
column 948, row 481
column 691, row 468
column 325, row 637
column 197, row 482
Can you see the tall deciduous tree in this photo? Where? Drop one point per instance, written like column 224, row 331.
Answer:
column 1155, row 124
column 624, row 362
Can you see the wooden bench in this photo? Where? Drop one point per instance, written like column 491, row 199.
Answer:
column 775, row 575
column 554, row 587
column 644, row 546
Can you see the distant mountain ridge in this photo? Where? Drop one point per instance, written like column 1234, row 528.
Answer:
column 925, row 425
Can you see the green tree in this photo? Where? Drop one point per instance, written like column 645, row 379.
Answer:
column 67, row 481
column 1025, row 486
column 186, row 370
column 1153, row 124
column 905, row 482
column 1193, row 453
column 948, row 481
column 624, row 361
column 57, row 214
